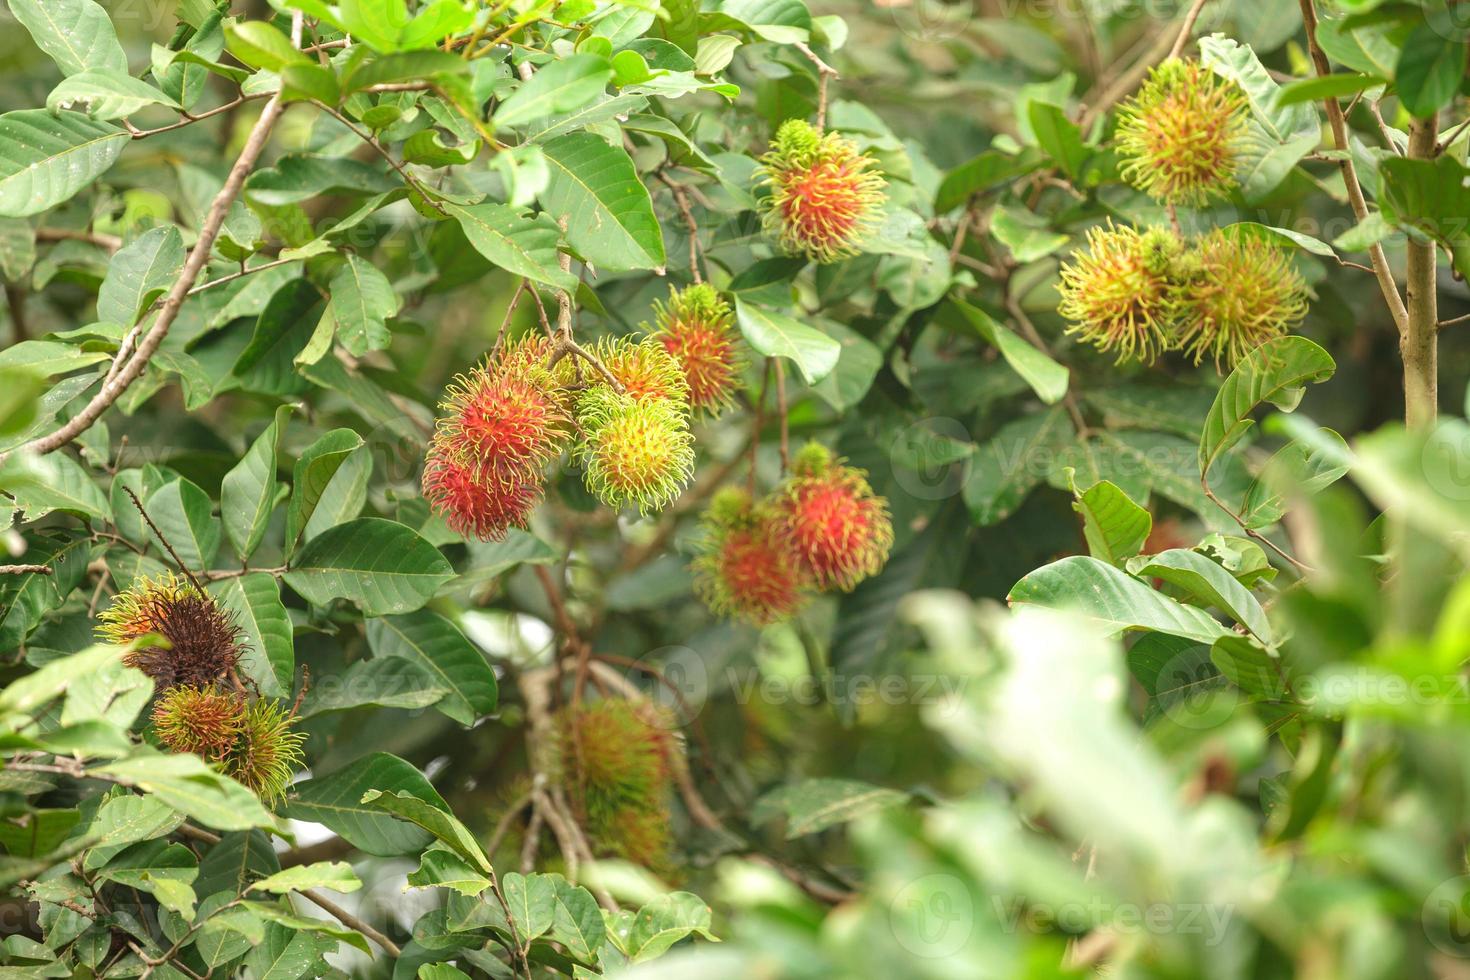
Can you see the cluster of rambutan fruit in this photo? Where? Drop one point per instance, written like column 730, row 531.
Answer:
column 201, row 706
column 822, row 529
column 1144, row 293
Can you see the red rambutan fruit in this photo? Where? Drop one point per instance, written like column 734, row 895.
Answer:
column 838, row 530
column 473, row 506
column 644, row 369
column 745, row 571
column 823, row 199
column 695, row 327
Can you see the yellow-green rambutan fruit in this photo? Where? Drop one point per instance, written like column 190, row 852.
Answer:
column 1122, row 294
column 1179, row 136
column 745, row 570
column 203, row 641
column 635, row 450
column 828, row 516
column 1237, row 293
column 644, row 369
column 204, row 721
column 266, row 753
column 696, row 327
column 824, row 199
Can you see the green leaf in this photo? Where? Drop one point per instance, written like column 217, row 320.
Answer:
column 184, row 515
column 984, row 172
column 779, row 21
column 1237, row 62
column 77, row 34
column 441, row 867
column 439, row 822
column 609, row 214
column 1115, row 526
column 24, row 696
column 577, row 923
column 1209, row 583
column 259, row 45
column 812, row 805
column 249, row 491
column 1325, row 87
column 381, row 565
column 1431, row 67
column 335, row 800
column 1275, row 372
column 532, row 901
column 668, row 919
column 1058, row 136
column 1045, row 376
column 270, row 659
column 139, row 273
column 37, row 485
column 775, row 334
column 1115, row 600
column 1011, row 463
column 438, row 647
column 105, row 94
column 189, row 785
column 362, row 302
column 561, row 86
column 522, row 244
column 335, row 875
column 46, row 159
column 314, row 470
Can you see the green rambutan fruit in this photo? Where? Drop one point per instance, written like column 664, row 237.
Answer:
column 696, row 327
column 203, row 641
column 1179, row 136
column 644, row 369
column 1122, row 293
column 266, row 753
column 744, row 570
column 635, row 450
column 204, row 721
column 828, row 516
column 824, row 200
column 1236, row 295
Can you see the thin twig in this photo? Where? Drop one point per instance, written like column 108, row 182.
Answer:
column 351, row 921
column 682, row 201
column 781, row 410
column 382, row 151
column 26, row 570
column 824, row 73
column 1186, row 30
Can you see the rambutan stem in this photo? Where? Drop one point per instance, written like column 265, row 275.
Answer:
column 1419, row 344
column 161, row 539
column 682, row 201
column 1186, row 30
column 785, row 419
column 824, row 72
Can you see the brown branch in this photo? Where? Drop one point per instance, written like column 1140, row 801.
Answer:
column 114, row 386
column 1187, row 28
column 351, row 921
column 824, row 72
column 1419, row 343
column 372, row 141
column 110, row 242
column 681, row 200
column 781, row 409
column 26, row 570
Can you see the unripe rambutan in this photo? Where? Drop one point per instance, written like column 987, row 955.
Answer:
column 1179, row 135
column 473, row 506
column 203, row 639
column 1122, row 293
column 1236, row 295
column 504, row 420
column 823, row 199
column 204, row 721
column 696, row 329
column 634, row 450
column 644, row 369
column 267, row 753
column 838, row 530
column 744, row 570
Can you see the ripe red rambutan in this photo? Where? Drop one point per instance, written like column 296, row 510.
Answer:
column 745, row 571
column 473, row 506
column 838, row 530
column 695, row 327
column 644, row 369
column 824, row 200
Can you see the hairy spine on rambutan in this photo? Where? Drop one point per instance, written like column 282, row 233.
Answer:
column 644, row 369
column 204, row 721
column 202, row 640
column 635, row 450
column 744, row 570
column 1180, row 135
column 1122, row 294
column 267, row 753
column 1237, row 293
column 696, row 329
column 472, row 506
column 828, row 515
column 824, row 200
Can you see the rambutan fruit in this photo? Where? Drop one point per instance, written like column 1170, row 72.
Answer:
column 1236, row 295
column 838, row 530
column 204, row 721
column 202, row 639
column 744, row 570
column 644, row 369
column 1180, row 135
column 696, row 328
column 1122, row 293
column 473, row 506
column 266, row 753
column 824, row 200
column 635, row 450
column 504, row 420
